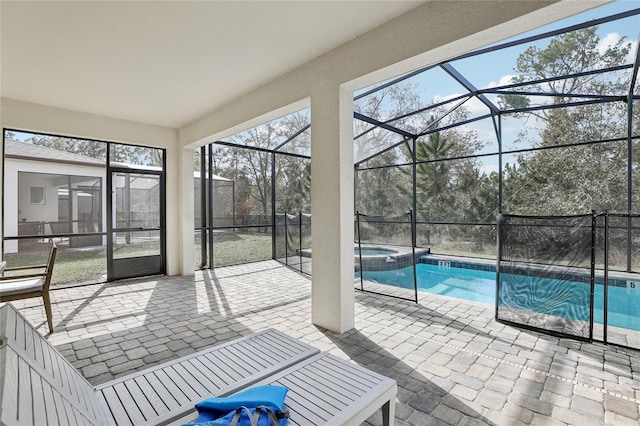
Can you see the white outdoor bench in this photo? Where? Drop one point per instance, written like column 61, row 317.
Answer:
column 39, row 386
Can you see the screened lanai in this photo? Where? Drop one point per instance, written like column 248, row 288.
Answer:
column 176, row 76
column 550, row 131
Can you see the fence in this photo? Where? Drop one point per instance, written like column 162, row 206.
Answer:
column 573, row 276
column 386, row 253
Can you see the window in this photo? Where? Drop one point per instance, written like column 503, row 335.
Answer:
column 36, row 195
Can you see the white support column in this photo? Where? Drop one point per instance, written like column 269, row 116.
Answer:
column 332, row 294
column 187, row 252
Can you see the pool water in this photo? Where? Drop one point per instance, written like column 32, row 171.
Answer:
column 373, row 251
column 564, row 299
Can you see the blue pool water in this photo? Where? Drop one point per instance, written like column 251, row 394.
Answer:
column 564, row 299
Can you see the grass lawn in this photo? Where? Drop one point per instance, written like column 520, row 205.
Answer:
column 229, row 249
column 89, row 265
column 71, row 267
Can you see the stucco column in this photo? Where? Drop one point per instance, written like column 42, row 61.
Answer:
column 187, row 249
column 332, row 294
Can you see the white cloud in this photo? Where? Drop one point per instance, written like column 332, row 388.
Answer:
column 473, row 105
column 607, row 41
column 611, row 39
column 504, row 80
column 488, row 168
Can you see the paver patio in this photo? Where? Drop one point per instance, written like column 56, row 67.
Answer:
column 453, row 363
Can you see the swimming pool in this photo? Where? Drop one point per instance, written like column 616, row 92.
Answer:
column 564, row 299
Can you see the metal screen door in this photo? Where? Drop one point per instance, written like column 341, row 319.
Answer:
column 135, row 245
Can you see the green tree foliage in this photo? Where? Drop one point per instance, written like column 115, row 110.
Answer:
column 574, row 178
column 566, row 54
column 251, row 168
column 435, row 198
column 92, row 149
column 381, row 190
column 120, row 153
column 293, row 185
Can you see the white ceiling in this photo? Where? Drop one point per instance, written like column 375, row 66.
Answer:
column 167, row 63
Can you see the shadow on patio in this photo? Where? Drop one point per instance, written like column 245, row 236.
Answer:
column 452, row 362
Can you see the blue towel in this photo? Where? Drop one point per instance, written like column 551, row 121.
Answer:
column 213, row 408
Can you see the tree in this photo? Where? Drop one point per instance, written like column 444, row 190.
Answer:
column 254, row 166
column 383, row 105
column 575, row 178
column 378, row 187
column 293, row 184
column 293, row 174
column 569, row 53
column 434, row 195
column 120, row 153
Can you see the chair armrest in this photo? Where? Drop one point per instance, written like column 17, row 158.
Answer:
column 22, row 268
column 19, row 277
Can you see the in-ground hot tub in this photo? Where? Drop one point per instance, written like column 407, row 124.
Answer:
column 375, row 258
column 373, row 251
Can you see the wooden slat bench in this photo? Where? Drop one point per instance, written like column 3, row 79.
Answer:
column 39, row 386
column 325, row 389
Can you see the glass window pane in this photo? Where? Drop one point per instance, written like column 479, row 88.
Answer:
column 135, row 156
column 136, row 244
column 137, row 200
column 59, row 210
column 56, row 148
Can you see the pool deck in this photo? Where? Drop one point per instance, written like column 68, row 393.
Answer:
column 453, row 363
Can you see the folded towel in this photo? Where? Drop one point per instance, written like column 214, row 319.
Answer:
column 268, row 396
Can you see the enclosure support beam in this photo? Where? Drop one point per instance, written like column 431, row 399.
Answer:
column 497, row 125
column 332, row 227
column 414, row 193
column 210, row 206
column 273, row 207
column 630, row 172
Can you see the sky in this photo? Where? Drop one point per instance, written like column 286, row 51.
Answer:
column 496, row 68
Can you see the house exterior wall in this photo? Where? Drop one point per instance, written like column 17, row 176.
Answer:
column 16, row 195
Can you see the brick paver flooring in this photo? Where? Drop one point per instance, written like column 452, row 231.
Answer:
column 453, row 363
